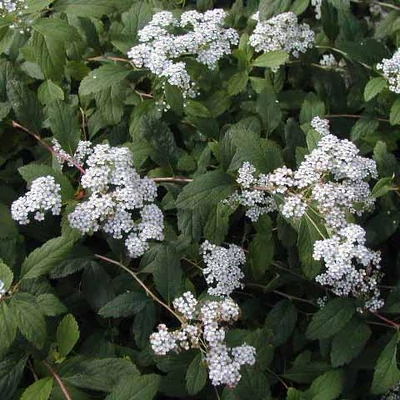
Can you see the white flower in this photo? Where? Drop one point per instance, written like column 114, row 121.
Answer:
column 43, row 195
column 186, row 305
column 320, row 125
column 317, row 5
column 165, row 39
column 282, row 32
column 2, row 290
column 391, row 70
column 223, row 269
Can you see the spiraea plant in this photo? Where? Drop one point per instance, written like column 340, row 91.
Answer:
column 199, row 199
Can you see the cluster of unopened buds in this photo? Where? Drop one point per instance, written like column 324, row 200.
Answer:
column 390, row 68
column 166, row 40
column 118, row 201
column 282, row 32
column 204, row 325
column 330, row 183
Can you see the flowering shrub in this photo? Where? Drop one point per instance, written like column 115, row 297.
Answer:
column 199, row 199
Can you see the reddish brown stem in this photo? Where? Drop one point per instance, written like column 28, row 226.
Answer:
column 388, row 321
column 48, row 147
column 355, row 116
column 103, row 58
column 174, row 179
column 58, row 380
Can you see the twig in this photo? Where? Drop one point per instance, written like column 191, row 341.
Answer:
column 390, row 322
column 174, row 179
column 48, row 147
column 103, row 58
column 139, row 281
column 59, row 381
column 355, row 116
column 279, row 378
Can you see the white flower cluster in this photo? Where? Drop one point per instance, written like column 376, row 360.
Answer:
column 166, row 39
column 351, row 268
column 83, row 150
column 12, row 6
column 317, row 4
column 43, row 195
column 206, row 323
column 329, row 62
column 282, row 32
column 223, row 268
column 2, row 290
column 330, row 181
column 393, row 393
column 391, row 70
column 116, row 191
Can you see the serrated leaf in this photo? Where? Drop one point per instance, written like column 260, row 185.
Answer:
column 217, row 225
column 67, row 335
column 124, row 305
column 88, row 8
column 32, row 171
column 312, row 107
column 281, row 320
column 8, row 327
column 64, row 124
column 48, row 92
column 395, row 113
column 271, row 59
column 143, row 387
column 6, row 276
column 174, row 98
column 144, row 323
column 327, row 386
column 30, row 320
column 330, row 319
column 237, row 83
column 50, row 305
column 44, row 258
column 11, row 371
column 386, row 372
column 111, row 103
column 383, row 186
column 349, row 342
column 164, row 262
column 373, row 87
column 101, row 374
column 103, row 78
column 299, row 6
column 39, row 390
column 196, row 375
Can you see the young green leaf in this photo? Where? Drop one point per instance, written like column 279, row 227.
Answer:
column 67, row 335
column 374, row 87
column 196, row 375
column 40, row 390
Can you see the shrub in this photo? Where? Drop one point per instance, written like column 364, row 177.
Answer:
column 199, row 199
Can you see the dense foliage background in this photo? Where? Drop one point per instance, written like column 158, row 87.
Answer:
column 74, row 321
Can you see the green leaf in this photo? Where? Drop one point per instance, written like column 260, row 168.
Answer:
column 164, row 262
column 253, row 385
column 102, row 78
column 67, row 335
column 349, row 342
column 8, row 226
column 386, row 373
column 174, row 98
column 312, row 107
column 88, row 8
column 8, row 327
column 217, row 225
column 386, row 161
column 50, row 305
column 30, row 320
column 6, row 276
column 271, row 59
column 299, row 6
column 40, row 390
column 101, row 374
column 238, row 82
column 310, row 230
column 330, row 319
column 268, row 109
column 374, row 87
column 64, row 123
column 144, row 323
column 44, row 258
column 282, row 321
column 111, row 103
column 49, row 92
column 261, row 248
column 395, row 113
column 32, row 171
column 383, row 186
column 327, row 386
column 124, row 305
column 196, row 200
column 11, row 371
column 143, row 387
column 196, row 375
column 49, row 41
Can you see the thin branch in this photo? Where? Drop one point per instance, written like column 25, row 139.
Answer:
column 390, row 322
column 355, row 116
column 140, row 282
column 104, row 58
column 173, row 179
column 59, row 381
column 48, row 147
column 279, row 378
